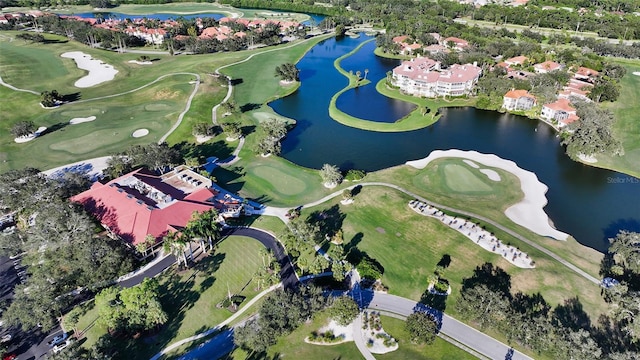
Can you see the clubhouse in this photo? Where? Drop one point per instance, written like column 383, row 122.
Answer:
column 141, row 203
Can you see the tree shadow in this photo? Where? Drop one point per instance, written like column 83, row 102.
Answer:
column 356, row 190
column 353, row 243
column 445, row 261
column 237, row 81
column 55, row 41
column 610, row 336
column 435, row 301
column 219, row 149
column 70, row 97
column 571, row 315
column 247, row 130
column 54, row 128
column 495, row 278
column 249, row 106
column 329, row 221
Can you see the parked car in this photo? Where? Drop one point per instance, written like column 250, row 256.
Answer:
column 58, row 339
column 9, row 357
column 61, row 346
column 6, row 338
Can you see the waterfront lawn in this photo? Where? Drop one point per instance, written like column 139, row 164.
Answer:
column 255, row 80
column 626, row 126
column 189, row 297
column 440, row 349
column 409, row 245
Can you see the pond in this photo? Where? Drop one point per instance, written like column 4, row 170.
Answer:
column 589, row 203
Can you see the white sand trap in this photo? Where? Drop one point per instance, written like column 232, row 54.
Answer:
column 491, row 174
column 140, row 62
column 636, row 73
column 99, row 72
column 24, row 139
column 80, row 120
column 529, row 212
column 471, row 163
column 588, row 158
column 140, row 133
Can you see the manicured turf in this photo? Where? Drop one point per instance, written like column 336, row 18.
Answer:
column 626, row 126
column 286, row 184
column 460, row 178
column 439, row 350
column 190, row 296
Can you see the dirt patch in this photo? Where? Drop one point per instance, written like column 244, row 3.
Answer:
column 380, row 230
column 166, row 94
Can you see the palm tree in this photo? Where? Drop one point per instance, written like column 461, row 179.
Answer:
column 175, row 244
column 205, row 225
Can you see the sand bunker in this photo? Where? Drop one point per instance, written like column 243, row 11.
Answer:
column 588, row 158
column 636, row 73
column 529, row 212
column 24, row 139
column 140, row 133
column 80, row 120
column 140, row 62
column 471, row 163
column 492, row 175
column 99, row 72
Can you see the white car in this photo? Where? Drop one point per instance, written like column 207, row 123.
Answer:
column 61, row 346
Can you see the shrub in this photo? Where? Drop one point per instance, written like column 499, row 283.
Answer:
column 354, row 175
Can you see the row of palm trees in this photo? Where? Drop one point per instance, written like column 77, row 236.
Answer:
column 203, row 228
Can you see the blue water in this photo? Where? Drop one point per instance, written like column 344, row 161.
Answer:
column 589, row 203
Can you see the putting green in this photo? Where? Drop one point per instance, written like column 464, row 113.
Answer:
column 284, row 183
column 460, row 179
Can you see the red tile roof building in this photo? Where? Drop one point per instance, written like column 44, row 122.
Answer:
column 546, row 67
column 518, row 60
column 560, row 111
column 518, row 100
column 423, row 77
column 142, row 203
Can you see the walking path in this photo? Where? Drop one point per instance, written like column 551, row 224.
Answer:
column 359, row 340
column 17, row 89
column 181, row 116
column 280, row 213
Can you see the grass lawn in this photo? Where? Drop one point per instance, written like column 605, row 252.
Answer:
column 190, row 296
column 626, row 126
column 439, row 350
column 273, row 180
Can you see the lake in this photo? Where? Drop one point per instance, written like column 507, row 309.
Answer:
column 589, row 203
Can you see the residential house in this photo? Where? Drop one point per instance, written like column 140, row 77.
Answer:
column 515, row 100
column 561, row 111
column 455, row 43
column 546, row 67
column 518, row 60
column 424, row 77
column 576, row 88
column 142, row 203
column 585, row 74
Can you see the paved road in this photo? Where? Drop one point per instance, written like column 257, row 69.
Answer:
column 451, row 327
column 220, row 345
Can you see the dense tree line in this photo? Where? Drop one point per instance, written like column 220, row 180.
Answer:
column 281, row 313
column 64, row 249
column 563, row 332
column 606, row 5
column 593, row 133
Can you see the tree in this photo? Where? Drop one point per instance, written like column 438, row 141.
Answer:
column 118, row 166
column 205, row 225
column 422, row 327
column 158, row 157
column 288, row 72
column 175, row 245
column 50, row 98
column 343, row 310
column 272, row 132
column 593, row 133
column 232, row 129
column 330, row 175
column 340, row 30
column 604, row 90
column 482, row 305
column 228, row 106
column 203, row 129
column 99, row 4
column 625, row 248
column 23, row 128
column 347, row 195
